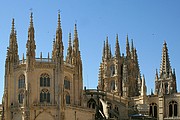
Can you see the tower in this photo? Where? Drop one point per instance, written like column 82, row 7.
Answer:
column 165, row 82
column 41, row 87
column 77, row 62
column 12, row 60
column 120, row 74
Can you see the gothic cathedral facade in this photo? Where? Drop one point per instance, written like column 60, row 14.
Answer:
column 51, row 88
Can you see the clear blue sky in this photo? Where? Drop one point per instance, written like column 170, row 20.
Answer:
column 148, row 23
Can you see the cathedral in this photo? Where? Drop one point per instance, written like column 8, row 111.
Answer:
column 51, row 88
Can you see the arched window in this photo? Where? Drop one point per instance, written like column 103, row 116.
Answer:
column 91, row 103
column 21, row 81
column 68, row 99
column 112, row 87
column 173, row 108
column 20, row 97
column 112, row 69
column 153, row 110
column 44, row 80
column 45, row 96
column 66, row 84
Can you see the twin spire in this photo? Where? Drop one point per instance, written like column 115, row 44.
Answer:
column 31, row 46
column 73, row 53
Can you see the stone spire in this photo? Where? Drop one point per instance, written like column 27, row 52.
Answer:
column 117, row 48
column 13, row 46
column 76, row 41
column 30, row 45
column 128, row 54
column 57, row 53
column 165, row 67
column 69, row 51
column 12, row 57
column 132, row 49
column 110, row 53
column 104, row 49
column 107, row 49
column 77, row 62
column 75, row 50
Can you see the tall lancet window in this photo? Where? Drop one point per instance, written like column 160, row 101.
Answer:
column 21, row 82
column 173, row 108
column 153, row 110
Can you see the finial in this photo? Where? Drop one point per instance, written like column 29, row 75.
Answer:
column 106, row 39
column 31, row 20
column 59, row 19
column 127, row 39
column 107, row 47
column 75, row 26
column 12, row 29
column 165, row 42
column 75, row 31
column 116, row 37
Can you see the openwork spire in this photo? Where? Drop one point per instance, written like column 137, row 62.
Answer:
column 165, row 68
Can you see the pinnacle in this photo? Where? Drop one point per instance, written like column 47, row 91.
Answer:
column 31, row 20
column 165, row 63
